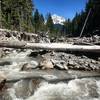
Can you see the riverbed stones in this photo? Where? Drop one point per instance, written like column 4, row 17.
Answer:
column 93, row 61
column 72, row 61
column 59, row 64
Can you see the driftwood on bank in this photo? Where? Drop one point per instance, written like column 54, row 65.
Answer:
column 50, row 46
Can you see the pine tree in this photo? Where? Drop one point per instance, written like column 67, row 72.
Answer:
column 49, row 24
column 42, row 23
column 17, row 14
column 36, row 21
column 68, row 27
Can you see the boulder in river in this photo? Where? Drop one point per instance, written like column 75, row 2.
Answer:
column 29, row 66
column 46, row 64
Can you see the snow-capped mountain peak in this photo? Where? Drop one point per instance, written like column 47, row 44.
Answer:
column 58, row 19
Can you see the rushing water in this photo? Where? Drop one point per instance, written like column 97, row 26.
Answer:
column 84, row 89
column 77, row 89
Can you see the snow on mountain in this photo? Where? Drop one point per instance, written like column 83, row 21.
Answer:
column 58, row 19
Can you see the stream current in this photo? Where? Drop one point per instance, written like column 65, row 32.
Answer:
column 76, row 89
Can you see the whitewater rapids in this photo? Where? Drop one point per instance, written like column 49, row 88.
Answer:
column 78, row 89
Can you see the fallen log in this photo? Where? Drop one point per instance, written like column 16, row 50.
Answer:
column 82, row 43
column 50, row 46
column 96, row 43
column 50, row 75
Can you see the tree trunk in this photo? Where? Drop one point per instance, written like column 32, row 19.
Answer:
column 51, row 76
column 50, row 46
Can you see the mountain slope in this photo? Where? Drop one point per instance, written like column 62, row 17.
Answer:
column 58, row 19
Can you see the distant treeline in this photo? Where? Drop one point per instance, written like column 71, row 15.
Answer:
column 16, row 14
column 22, row 15
column 74, row 27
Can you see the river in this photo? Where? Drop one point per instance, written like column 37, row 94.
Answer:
column 39, row 89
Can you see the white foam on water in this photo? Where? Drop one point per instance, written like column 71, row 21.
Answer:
column 12, row 94
column 78, row 89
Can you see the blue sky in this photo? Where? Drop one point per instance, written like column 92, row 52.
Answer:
column 65, row 8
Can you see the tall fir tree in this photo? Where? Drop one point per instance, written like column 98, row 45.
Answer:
column 42, row 23
column 50, row 24
column 36, row 20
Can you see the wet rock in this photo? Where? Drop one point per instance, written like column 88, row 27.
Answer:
column 98, row 58
column 23, row 89
column 52, row 53
column 33, row 54
column 81, row 62
column 92, row 89
column 26, row 67
column 59, row 64
column 3, row 63
column 34, row 63
column 92, row 66
column 1, row 52
column 71, row 63
column 46, row 64
column 37, row 52
column 29, row 66
column 2, row 81
column 93, row 61
column 84, row 57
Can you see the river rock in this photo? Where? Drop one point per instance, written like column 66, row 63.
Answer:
column 93, row 61
column 33, row 54
column 71, row 63
column 23, row 88
column 3, row 63
column 34, row 63
column 29, row 66
column 46, row 64
column 2, row 80
column 1, row 52
column 59, row 64
column 98, row 58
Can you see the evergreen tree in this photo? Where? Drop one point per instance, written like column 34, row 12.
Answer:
column 17, row 14
column 49, row 24
column 36, row 20
column 68, row 27
column 42, row 23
